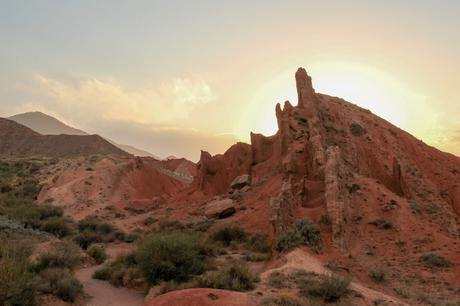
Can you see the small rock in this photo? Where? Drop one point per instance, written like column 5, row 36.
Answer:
column 241, row 181
column 220, row 209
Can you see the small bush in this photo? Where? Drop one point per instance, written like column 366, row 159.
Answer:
column 277, row 280
column 59, row 282
column 433, row 260
column 87, row 238
column 16, row 286
column 123, row 271
column 258, row 243
column 48, row 211
column 234, row 277
column 150, row 220
column 229, row 234
column 170, row 256
column 328, row 287
column 60, row 255
column 378, row 276
column 130, row 238
column 57, row 226
column 286, row 300
column 97, row 251
column 382, row 224
column 357, row 130
column 304, row 232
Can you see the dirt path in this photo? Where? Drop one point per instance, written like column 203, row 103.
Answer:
column 103, row 294
column 300, row 260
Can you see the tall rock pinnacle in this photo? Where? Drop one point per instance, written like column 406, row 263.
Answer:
column 305, row 91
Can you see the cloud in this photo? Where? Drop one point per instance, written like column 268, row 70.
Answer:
column 91, row 98
column 155, row 117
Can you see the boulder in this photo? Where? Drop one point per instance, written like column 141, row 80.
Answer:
column 220, row 208
column 241, row 181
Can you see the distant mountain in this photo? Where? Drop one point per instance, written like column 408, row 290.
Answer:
column 48, row 125
column 17, row 140
column 45, row 124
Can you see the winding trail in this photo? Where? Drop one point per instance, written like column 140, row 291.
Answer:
column 103, row 294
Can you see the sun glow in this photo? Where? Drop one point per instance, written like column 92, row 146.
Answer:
column 365, row 85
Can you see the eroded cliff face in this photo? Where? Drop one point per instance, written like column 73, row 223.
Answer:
column 323, row 146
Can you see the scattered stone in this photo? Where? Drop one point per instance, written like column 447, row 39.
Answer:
column 220, row 209
column 241, row 181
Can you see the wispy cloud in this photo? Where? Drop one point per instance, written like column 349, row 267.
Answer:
column 91, row 98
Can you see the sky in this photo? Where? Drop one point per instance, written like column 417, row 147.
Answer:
column 176, row 77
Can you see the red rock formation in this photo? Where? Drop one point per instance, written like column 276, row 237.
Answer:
column 215, row 173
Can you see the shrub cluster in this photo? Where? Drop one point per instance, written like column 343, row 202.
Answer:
column 228, row 234
column 433, row 260
column 97, row 252
column 329, row 287
column 59, row 282
column 92, row 230
column 233, row 277
column 304, row 232
column 170, row 256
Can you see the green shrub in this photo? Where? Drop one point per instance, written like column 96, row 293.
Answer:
column 85, row 239
column 103, row 273
column 48, row 211
column 57, row 226
column 16, row 281
column 229, row 234
column 328, row 287
column 433, row 260
column 357, row 130
column 276, row 280
column 258, row 243
column 59, row 282
column 304, row 232
column 60, row 255
column 382, row 224
column 92, row 224
column 170, row 256
column 97, row 251
column 286, row 300
column 129, row 238
column 233, row 277
column 123, row 271
column 150, row 220
column 377, row 275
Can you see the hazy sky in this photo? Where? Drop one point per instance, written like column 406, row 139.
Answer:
column 174, row 77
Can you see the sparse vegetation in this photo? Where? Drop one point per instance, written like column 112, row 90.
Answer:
column 377, row 275
column 97, row 252
column 228, row 234
column 92, row 230
column 170, row 256
column 357, row 130
column 233, row 277
column 433, row 260
column 59, row 255
column 277, row 280
column 330, row 287
column 304, row 232
column 59, row 282
column 382, row 224
column 259, row 243
column 123, row 271
column 16, row 281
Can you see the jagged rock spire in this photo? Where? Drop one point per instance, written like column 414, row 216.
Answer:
column 305, row 91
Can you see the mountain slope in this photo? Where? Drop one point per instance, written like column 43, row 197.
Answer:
column 48, row 125
column 17, row 140
column 45, row 124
